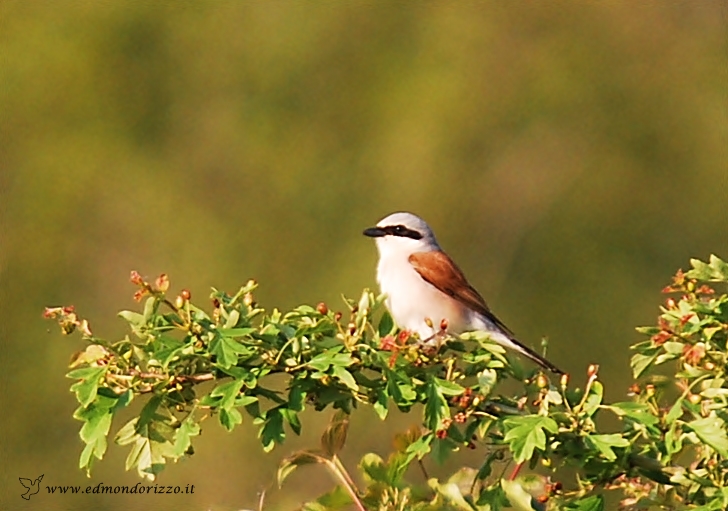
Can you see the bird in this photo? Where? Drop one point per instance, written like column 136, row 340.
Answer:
column 31, row 486
column 424, row 287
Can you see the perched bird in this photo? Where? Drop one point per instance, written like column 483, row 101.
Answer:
column 31, row 486
column 423, row 285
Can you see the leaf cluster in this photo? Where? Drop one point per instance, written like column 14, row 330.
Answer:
column 669, row 452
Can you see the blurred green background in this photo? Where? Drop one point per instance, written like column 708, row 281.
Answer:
column 569, row 155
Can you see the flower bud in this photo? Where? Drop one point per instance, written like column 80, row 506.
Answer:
column 85, row 328
column 386, row 343
column 136, row 278
column 185, row 294
column 541, row 381
column 443, row 324
column 162, row 283
column 337, row 316
column 592, row 370
column 248, row 299
column 564, row 380
column 322, row 309
column 428, row 322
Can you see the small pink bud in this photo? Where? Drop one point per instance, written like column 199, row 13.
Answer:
column 136, row 278
column 162, row 283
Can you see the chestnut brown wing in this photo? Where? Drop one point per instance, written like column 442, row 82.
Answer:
column 439, row 270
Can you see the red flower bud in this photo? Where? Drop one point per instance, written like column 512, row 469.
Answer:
column 386, row 343
column 136, row 278
column 162, row 283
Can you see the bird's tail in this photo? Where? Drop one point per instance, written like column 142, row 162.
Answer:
column 509, row 342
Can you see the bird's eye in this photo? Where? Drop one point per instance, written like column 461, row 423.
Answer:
column 399, row 230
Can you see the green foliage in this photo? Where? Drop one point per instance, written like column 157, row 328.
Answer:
column 668, row 453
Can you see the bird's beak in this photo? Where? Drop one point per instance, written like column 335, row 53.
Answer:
column 374, row 232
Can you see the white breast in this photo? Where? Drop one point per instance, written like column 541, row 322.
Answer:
column 411, row 299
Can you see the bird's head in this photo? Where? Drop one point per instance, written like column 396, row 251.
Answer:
column 402, row 234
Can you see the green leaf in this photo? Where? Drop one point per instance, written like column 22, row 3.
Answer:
column 593, row 503
column 436, row 408
column 441, row 448
column 517, row 496
column 640, row 363
column 323, row 361
column 228, row 392
column 638, row 412
column 452, row 495
column 494, row 497
column 296, row 396
column 292, row 419
column 604, row 444
column 345, row 377
column 97, row 419
column 183, row 436
column 711, row 431
column 150, row 307
column 338, row 499
column 448, row 388
column 673, row 440
column 149, row 411
column 386, row 325
column 272, row 432
column 235, row 332
column 373, row 469
column 133, row 318
column 720, row 268
column 151, row 436
column 381, row 404
column 421, row 446
column 227, row 350
column 487, row 379
column 715, row 270
column 230, row 417
column 485, row 468
column 676, row 411
column 594, row 399
column 526, row 433
column 87, row 388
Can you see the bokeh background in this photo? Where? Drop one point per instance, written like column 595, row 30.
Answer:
column 570, row 155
